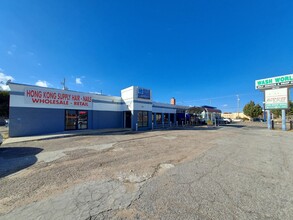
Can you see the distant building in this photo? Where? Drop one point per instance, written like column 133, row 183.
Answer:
column 234, row 115
column 210, row 113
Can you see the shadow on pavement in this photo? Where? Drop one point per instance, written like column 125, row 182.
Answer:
column 14, row 159
column 129, row 132
column 205, row 128
column 235, row 126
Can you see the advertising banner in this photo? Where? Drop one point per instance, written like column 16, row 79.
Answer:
column 276, row 98
column 278, row 81
column 56, row 98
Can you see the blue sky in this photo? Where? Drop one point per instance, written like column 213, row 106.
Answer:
column 200, row 52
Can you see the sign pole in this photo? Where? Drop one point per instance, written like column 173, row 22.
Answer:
column 284, row 120
column 269, row 119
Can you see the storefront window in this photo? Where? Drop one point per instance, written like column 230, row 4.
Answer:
column 172, row 118
column 142, row 119
column 76, row 119
column 166, row 118
column 159, row 118
column 70, row 123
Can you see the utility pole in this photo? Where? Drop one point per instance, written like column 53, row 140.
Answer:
column 238, row 103
column 64, row 85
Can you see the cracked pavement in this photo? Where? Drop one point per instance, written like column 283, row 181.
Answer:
column 232, row 172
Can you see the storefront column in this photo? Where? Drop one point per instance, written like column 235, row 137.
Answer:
column 155, row 120
column 175, row 119
column 150, row 119
column 133, row 119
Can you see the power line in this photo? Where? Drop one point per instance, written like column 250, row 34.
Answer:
column 219, row 97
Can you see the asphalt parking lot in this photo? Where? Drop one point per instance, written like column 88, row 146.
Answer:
column 229, row 172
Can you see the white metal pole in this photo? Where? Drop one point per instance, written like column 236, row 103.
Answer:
column 269, row 119
column 284, row 120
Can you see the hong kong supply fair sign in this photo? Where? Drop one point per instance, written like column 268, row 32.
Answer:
column 278, row 81
column 58, row 99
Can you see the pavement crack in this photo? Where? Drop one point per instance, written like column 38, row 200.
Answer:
column 234, row 203
column 136, row 199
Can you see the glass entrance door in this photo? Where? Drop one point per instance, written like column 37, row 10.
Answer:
column 70, row 119
column 127, row 119
column 82, row 120
column 75, row 119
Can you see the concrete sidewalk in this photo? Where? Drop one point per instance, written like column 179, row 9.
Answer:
column 12, row 140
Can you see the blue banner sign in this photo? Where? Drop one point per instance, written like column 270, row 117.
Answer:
column 144, row 93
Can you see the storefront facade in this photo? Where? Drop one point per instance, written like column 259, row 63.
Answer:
column 36, row 110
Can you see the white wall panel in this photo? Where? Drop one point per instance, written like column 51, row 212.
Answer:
column 163, row 110
column 107, row 106
column 127, row 93
column 142, row 106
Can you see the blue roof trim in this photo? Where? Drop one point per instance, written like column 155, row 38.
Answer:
column 16, row 93
column 157, row 106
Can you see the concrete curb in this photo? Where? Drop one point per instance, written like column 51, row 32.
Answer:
column 62, row 135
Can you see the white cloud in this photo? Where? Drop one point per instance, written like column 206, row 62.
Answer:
column 11, row 50
column 4, row 88
column 225, row 105
column 42, row 83
column 78, row 81
column 3, row 79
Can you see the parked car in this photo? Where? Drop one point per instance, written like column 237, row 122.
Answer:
column 258, row 120
column 223, row 121
column 226, row 120
column 230, row 120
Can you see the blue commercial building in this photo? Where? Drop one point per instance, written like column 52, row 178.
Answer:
column 37, row 110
